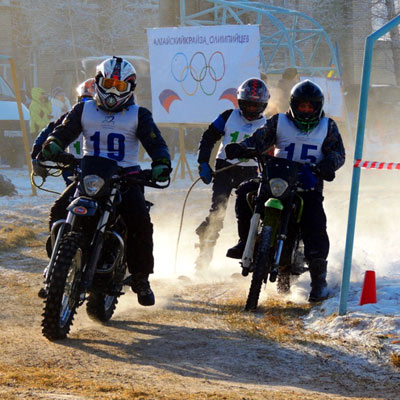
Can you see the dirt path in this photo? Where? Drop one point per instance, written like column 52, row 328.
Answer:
column 194, row 344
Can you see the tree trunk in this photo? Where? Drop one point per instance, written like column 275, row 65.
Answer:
column 169, row 13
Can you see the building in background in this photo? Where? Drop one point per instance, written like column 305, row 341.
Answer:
column 49, row 38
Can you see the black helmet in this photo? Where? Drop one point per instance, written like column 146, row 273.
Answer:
column 252, row 96
column 303, row 92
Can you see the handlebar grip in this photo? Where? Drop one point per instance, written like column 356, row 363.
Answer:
column 66, row 158
column 144, row 178
column 250, row 152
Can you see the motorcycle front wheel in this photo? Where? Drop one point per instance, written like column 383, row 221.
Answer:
column 63, row 289
column 260, row 271
column 100, row 307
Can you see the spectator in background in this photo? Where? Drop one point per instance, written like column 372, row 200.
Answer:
column 289, row 78
column 40, row 111
column 59, row 102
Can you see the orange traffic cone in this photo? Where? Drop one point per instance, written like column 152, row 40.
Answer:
column 368, row 293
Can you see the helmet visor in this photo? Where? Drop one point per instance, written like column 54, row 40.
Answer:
column 306, row 107
column 251, row 109
column 108, row 83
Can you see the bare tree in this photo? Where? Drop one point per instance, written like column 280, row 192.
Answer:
column 394, row 39
column 53, row 31
column 382, row 12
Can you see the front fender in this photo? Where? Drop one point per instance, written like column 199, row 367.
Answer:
column 272, row 216
column 83, row 207
column 274, row 203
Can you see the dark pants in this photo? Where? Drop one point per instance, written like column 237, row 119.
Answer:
column 224, row 183
column 135, row 214
column 313, row 222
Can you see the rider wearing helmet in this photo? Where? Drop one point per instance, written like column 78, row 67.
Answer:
column 305, row 105
column 114, row 114
column 252, row 97
column 115, row 83
column 232, row 125
column 85, row 91
column 305, row 135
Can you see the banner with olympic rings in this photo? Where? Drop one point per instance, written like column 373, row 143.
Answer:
column 195, row 71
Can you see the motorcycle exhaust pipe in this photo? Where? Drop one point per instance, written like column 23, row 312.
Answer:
column 118, row 257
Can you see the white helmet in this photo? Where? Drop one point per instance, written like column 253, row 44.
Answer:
column 115, row 83
column 86, row 90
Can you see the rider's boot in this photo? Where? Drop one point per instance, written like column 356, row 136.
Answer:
column 319, row 287
column 141, row 286
column 237, row 250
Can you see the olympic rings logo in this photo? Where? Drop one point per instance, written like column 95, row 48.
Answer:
column 198, row 72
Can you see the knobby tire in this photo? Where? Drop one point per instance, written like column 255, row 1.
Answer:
column 53, row 327
column 100, row 307
column 260, row 270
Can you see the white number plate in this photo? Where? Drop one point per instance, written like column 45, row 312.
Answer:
column 12, row 133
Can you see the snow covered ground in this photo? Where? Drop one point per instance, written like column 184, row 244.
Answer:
column 376, row 247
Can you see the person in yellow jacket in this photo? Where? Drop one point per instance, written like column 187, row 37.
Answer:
column 40, row 111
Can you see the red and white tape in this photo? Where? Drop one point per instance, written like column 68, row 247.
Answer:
column 375, row 165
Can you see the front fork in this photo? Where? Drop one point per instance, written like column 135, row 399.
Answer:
column 281, row 221
column 247, row 258
column 55, row 240
column 277, row 217
column 97, row 242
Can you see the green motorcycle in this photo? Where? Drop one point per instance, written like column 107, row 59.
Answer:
column 274, row 248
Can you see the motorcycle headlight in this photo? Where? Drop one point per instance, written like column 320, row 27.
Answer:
column 278, row 186
column 93, row 184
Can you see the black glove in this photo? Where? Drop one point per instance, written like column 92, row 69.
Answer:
column 234, row 150
column 160, row 170
column 51, row 149
column 66, row 158
column 325, row 170
column 38, row 169
column 35, row 150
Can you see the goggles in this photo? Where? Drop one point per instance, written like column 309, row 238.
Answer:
column 252, row 106
column 108, row 83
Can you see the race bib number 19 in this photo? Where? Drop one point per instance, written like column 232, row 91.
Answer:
column 115, row 145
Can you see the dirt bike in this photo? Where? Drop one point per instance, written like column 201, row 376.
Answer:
column 88, row 259
column 274, row 247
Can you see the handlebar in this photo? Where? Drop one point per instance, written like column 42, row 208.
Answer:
column 63, row 161
column 66, row 160
column 251, row 152
column 142, row 177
